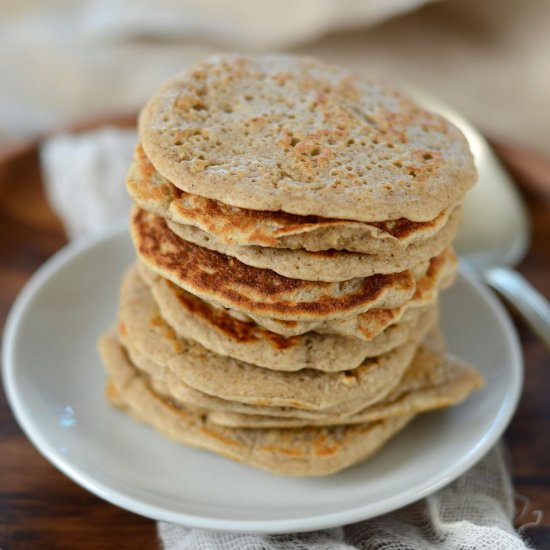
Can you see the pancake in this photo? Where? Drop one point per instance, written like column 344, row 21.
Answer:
column 292, row 134
column 144, row 330
column 292, row 224
column 298, row 452
column 217, row 330
column 433, row 381
column 239, row 226
column 164, row 380
column 366, row 326
column 328, row 265
column 225, row 281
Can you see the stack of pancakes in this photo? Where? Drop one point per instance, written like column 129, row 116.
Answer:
column 293, row 225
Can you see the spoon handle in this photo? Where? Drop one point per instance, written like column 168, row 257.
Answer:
column 531, row 304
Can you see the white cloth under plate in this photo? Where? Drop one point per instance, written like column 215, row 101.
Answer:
column 84, row 177
column 85, row 173
column 473, row 513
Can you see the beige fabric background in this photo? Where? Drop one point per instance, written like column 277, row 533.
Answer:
column 64, row 60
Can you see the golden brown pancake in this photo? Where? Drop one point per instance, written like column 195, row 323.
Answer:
column 240, row 226
column 297, row 135
column 219, row 331
column 228, row 282
column 366, row 326
column 326, row 265
column 144, row 330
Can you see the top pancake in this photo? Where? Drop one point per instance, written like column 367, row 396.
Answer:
column 292, row 134
column 242, row 226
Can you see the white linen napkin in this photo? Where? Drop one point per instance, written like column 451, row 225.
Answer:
column 84, row 177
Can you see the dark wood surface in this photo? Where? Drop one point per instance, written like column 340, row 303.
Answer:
column 42, row 509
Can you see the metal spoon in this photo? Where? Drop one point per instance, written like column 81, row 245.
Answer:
column 495, row 232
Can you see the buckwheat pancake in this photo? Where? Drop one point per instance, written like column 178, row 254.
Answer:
column 234, row 380
column 225, row 281
column 433, row 381
column 366, row 326
column 217, row 330
column 239, row 226
column 164, row 380
column 327, row 265
column 302, row 451
column 293, row 134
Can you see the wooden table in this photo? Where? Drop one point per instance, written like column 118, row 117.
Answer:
column 42, row 509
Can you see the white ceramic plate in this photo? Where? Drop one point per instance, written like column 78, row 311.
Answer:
column 55, row 383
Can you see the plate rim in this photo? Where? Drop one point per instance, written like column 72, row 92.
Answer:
column 32, row 431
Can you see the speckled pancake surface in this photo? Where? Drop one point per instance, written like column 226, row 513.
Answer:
column 228, row 282
column 293, row 134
